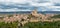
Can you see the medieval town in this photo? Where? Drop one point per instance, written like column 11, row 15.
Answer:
column 25, row 18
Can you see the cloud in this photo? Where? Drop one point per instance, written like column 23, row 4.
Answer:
column 55, row 2
column 13, row 10
column 53, row 8
column 14, row 1
column 29, row 5
column 40, row 1
column 31, row 2
column 41, row 4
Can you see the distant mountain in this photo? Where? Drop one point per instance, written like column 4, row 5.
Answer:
column 27, row 12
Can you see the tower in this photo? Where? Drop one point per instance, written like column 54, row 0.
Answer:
column 34, row 12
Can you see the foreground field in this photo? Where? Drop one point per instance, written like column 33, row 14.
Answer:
column 43, row 25
column 31, row 25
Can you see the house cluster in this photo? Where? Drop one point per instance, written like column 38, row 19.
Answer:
column 19, row 17
column 24, row 18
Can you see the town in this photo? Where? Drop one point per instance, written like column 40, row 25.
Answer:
column 25, row 18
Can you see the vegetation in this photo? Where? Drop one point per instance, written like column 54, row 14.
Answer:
column 31, row 25
column 43, row 25
column 1, row 17
column 56, row 16
column 8, row 25
column 10, row 15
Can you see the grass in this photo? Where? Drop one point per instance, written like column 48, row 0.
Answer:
column 31, row 25
column 8, row 25
column 43, row 25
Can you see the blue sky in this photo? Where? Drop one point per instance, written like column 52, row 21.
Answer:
column 29, row 5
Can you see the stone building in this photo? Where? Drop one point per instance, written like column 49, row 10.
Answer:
column 35, row 13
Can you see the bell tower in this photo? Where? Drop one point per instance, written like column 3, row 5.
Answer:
column 34, row 12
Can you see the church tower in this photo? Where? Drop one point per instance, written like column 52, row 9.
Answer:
column 34, row 12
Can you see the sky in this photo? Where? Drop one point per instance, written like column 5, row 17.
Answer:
column 29, row 5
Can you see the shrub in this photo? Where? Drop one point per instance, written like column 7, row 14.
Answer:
column 43, row 25
column 56, row 16
column 10, row 15
column 8, row 25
